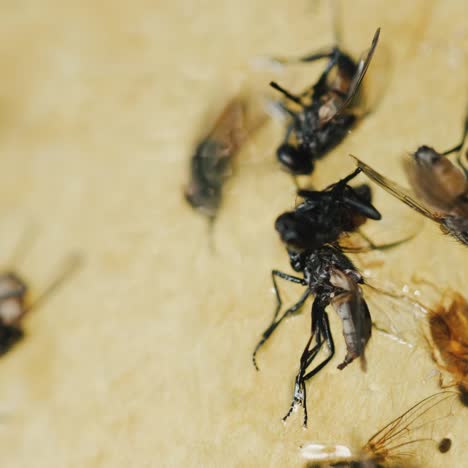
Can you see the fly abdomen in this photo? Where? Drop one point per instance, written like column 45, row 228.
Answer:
column 354, row 313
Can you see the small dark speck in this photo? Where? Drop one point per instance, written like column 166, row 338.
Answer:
column 444, row 445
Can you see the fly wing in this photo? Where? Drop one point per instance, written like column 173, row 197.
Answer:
column 362, row 66
column 229, row 128
column 416, row 425
column 396, row 315
column 397, row 191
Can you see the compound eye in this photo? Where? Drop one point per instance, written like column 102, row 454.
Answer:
column 294, row 232
column 288, row 228
column 293, row 160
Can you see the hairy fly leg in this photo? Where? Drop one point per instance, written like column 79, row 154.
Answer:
column 293, row 309
column 320, row 330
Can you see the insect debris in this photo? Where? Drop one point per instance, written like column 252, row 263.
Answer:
column 390, row 444
column 445, row 445
column 14, row 304
column 321, row 117
column 453, row 222
column 448, row 327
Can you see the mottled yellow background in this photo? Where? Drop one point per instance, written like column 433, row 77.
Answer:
column 143, row 359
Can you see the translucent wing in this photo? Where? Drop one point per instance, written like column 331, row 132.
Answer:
column 395, row 315
column 362, row 66
column 413, row 426
column 392, row 442
column 230, row 125
column 397, row 191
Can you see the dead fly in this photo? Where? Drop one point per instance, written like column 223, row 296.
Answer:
column 453, row 222
column 321, row 117
column 448, row 327
column 14, row 304
column 211, row 164
column 392, row 445
column 325, row 215
column 437, row 181
column 321, row 219
column 331, row 277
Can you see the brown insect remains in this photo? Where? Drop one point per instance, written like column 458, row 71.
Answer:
column 393, row 443
column 448, row 326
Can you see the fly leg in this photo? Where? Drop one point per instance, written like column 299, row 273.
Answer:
column 327, row 52
column 321, row 86
column 458, row 148
column 293, row 309
column 389, row 245
column 321, row 329
column 336, row 187
column 461, row 164
column 325, row 334
column 307, row 357
column 286, row 93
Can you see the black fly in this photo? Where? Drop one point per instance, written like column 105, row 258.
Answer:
column 311, row 234
column 323, row 116
column 321, row 219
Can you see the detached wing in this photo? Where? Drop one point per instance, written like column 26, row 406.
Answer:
column 395, row 440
